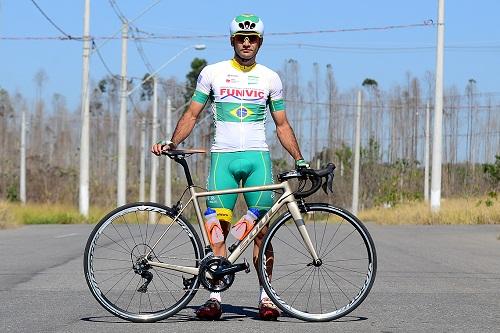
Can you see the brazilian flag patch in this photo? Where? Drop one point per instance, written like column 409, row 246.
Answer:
column 241, row 112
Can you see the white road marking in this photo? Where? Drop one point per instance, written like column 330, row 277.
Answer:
column 66, row 235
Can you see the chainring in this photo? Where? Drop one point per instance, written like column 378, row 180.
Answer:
column 208, row 266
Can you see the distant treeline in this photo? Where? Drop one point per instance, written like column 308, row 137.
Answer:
column 322, row 116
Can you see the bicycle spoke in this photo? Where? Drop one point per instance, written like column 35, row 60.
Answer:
column 352, row 232
column 346, row 269
column 336, row 284
column 301, row 242
column 305, row 255
column 333, row 237
column 159, row 294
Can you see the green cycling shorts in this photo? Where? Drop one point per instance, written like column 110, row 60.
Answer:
column 239, row 169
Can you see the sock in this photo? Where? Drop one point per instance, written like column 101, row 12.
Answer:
column 216, row 296
column 263, row 293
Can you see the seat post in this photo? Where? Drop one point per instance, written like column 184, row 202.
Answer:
column 182, row 161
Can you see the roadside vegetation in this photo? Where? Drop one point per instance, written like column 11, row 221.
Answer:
column 483, row 210
column 14, row 214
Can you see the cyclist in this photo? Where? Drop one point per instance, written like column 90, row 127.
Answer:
column 240, row 90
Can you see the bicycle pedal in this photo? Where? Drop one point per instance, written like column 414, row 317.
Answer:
column 187, row 282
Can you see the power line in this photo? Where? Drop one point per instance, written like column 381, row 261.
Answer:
column 118, row 11
column 427, row 23
column 53, row 23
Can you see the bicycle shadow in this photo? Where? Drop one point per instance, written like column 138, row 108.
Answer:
column 230, row 313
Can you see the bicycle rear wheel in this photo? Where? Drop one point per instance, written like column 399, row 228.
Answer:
column 335, row 287
column 113, row 256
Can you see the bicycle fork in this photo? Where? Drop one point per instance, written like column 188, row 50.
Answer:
column 294, row 209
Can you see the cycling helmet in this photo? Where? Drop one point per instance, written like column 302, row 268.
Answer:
column 247, row 24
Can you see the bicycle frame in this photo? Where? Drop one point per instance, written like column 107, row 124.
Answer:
column 287, row 198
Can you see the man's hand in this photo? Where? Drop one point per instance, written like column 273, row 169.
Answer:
column 162, row 146
column 301, row 164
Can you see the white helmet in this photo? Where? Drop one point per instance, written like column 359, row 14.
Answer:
column 247, row 24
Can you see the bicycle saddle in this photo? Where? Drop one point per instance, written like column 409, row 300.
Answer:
column 178, row 152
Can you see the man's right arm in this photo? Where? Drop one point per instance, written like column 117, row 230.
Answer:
column 183, row 129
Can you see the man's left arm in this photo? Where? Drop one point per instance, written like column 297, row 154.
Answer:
column 286, row 135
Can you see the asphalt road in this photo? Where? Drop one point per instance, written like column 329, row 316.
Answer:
column 429, row 279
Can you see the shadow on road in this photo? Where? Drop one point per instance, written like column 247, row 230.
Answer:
column 230, row 313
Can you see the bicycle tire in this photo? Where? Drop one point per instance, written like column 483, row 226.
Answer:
column 119, row 239
column 347, row 272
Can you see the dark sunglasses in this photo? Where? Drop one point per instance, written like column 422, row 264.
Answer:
column 252, row 39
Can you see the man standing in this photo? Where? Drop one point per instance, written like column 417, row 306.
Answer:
column 240, row 91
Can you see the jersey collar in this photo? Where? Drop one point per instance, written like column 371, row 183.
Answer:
column 242, row 68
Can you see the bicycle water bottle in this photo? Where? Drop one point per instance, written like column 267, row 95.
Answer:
column 245, row 224
column 213, row 226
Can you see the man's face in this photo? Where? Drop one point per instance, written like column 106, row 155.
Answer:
column 246, row 46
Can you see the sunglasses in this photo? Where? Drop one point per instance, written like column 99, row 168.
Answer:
column 252, row 39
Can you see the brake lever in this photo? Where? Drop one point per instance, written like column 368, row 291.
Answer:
column 328, row 184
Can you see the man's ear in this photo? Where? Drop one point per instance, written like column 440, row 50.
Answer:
column 231, row 39
column 261, row 41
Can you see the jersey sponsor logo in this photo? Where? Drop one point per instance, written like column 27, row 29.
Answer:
column 231, row 78
column 243, row 93
column 253, row 79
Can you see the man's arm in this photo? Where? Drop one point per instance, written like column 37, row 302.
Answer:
column 286, row 135
column 183, row 129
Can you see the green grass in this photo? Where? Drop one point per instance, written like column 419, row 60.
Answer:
column 14, row 214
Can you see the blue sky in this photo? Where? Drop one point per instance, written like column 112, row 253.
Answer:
column 472, row 36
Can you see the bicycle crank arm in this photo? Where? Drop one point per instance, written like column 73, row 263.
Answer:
column 232, row 269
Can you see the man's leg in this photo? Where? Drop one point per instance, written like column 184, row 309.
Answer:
column 219, row 178
column 262, row 175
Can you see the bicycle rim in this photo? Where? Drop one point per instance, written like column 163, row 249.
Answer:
column 119, row 240
column 332, row 289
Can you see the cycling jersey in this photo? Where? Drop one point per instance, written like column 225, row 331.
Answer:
column 239, row 95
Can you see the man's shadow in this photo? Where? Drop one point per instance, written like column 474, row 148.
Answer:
column 230, row 313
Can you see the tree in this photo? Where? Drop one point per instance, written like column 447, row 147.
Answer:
column 196, row 66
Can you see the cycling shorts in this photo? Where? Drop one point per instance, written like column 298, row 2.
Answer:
column 234, row 169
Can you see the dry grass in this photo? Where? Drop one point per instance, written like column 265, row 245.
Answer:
column 15, row 214
column 453, row 211
column 7, row 219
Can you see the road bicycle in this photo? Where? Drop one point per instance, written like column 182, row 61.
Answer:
column 144, row 261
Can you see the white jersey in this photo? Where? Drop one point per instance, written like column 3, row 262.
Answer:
column 239, row 98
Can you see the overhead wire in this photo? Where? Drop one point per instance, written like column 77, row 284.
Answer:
column 67, row 36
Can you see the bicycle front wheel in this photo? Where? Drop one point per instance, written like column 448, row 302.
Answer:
column 318, row 291
column 115, row 268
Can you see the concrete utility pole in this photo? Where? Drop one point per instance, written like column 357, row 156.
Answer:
column 122, row 126
column 22, row 173
column 437, row 142
column 357, row 157
column 168, row 161
column 154, row 138
column 85, row 117
column 427, row 151
column 142, row 168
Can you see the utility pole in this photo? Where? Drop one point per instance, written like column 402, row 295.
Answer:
column 427, row 151
column 437, row 141
column 22, row 173
column 168, row 161
column 142, row 167
column 122, row 126
column 85, row 117
column 357, row 157
column 154, row 138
